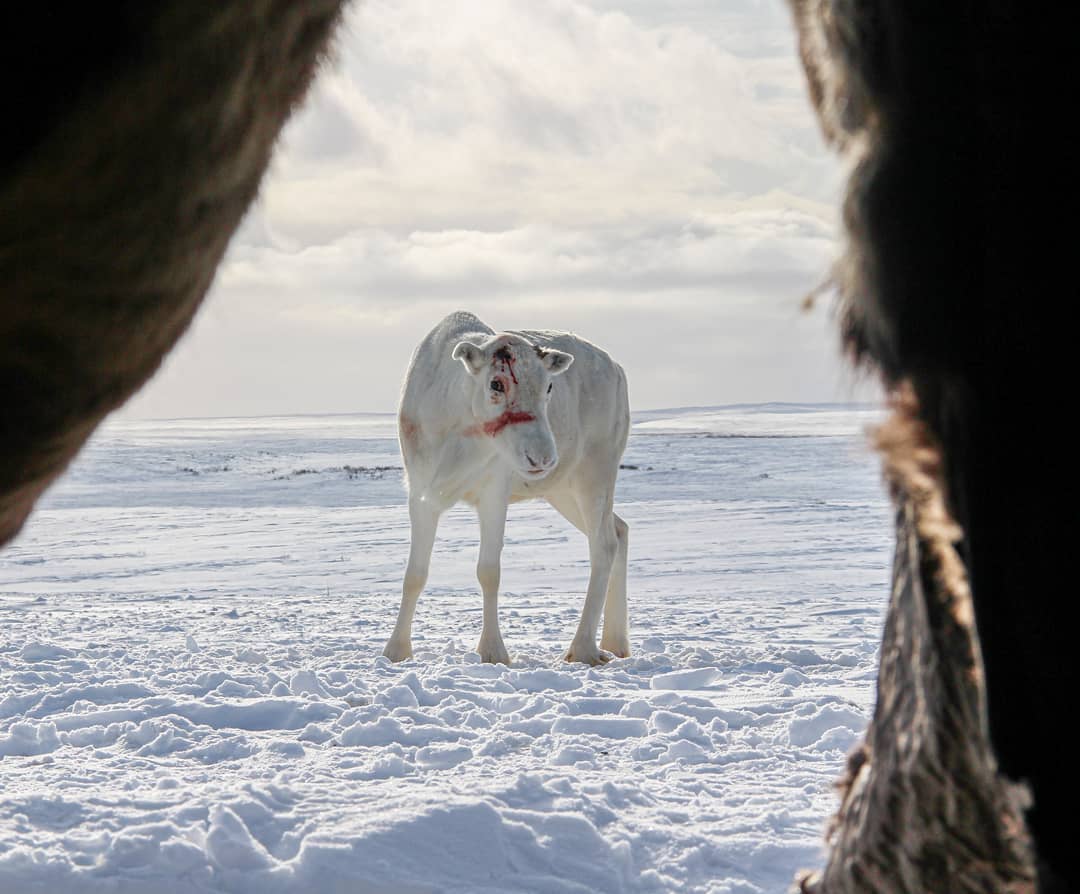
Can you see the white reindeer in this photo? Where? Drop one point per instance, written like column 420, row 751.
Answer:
column 494, row 418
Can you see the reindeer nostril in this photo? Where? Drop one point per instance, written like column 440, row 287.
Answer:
column 532, row 462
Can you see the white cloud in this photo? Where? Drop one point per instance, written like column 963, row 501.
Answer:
column 634, row 171
column 467, row 115
column 379, row 268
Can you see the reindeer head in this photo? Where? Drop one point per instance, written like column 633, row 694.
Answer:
column 510, row 383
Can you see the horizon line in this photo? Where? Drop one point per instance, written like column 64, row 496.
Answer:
column 847, row 405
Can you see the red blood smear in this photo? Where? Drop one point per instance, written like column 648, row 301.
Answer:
column 509, row 417
column 408, row 428
column 504, row 355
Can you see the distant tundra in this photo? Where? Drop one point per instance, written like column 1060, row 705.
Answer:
column 492, row 418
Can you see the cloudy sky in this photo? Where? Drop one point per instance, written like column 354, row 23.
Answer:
column 645, row 173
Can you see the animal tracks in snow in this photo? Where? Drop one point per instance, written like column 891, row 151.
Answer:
column 272, row 774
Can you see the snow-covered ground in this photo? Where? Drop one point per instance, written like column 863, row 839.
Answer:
column 192, row 698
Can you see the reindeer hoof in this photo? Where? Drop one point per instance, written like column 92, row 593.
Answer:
column 493, row 654
column 587, row 654
column 398, row 651
column 619, row 646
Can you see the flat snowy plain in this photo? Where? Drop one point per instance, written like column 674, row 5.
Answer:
column 192, row 697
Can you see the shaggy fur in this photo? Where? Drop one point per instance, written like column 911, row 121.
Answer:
column 942, row 289
column 139, row 140
column 923, row 807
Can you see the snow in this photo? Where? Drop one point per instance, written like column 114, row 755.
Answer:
column 192, row 697
column 697, row 678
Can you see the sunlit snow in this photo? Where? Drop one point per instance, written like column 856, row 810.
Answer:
column 192, row 698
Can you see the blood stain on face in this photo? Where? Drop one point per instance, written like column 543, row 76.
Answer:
column 509, row 417
column 502, row 361
column 504, row 356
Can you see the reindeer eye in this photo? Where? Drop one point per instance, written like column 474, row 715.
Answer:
column 549, row 386
column 496, row 385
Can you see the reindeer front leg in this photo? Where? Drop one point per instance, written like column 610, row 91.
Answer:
column 424, row 521
column 492, row 512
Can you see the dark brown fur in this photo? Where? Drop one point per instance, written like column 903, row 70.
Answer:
column 946, row 289
column 923, row 807
column 139, row 141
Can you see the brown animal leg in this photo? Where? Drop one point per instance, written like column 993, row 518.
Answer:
column 924, row 808
column 951, row 288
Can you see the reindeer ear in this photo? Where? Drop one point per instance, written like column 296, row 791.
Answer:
column 472, row 356
column 556, row 362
